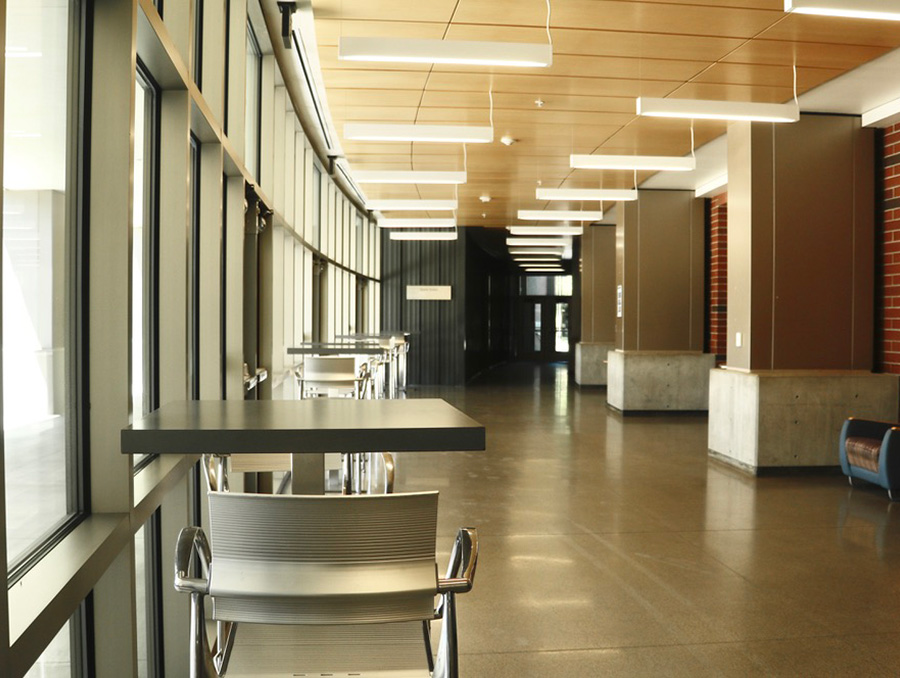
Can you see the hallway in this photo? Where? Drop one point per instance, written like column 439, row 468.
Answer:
column 615, row 547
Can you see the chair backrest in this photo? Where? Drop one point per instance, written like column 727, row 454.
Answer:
column 323, row 559
column 329, row 367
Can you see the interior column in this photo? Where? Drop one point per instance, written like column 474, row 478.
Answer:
column 598, row 305
column 658, row 363
column 800, row 294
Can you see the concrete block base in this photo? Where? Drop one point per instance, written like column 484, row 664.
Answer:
column 590, row 363
column 654, row 381
column 791, row 418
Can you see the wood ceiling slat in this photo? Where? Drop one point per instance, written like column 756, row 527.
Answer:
column 809, row 28
column 806, row 54
column 618, row 15
column 779, row 76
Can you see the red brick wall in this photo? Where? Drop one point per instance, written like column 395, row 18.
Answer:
column 888, row 244
column 718, row 276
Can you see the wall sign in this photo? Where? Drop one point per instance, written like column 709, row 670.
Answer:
column 429, row 292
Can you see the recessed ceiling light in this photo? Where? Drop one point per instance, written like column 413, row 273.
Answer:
column 560, row 215
column 888, row 10
column 416, row 223
column 412, row 205
column 704, row 109
column 546, row 251
column 545, row 230
column 536, row 242
column 407, row 177
column 424, row 235
column 457, row 134
column 429, row 51
column 634, row 162
column 586, row 194
column 484, row 197
column 539, row 103
column 507, row 140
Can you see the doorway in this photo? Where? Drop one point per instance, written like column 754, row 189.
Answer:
column 544, row 329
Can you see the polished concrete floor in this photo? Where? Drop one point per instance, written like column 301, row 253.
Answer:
column 615, row 547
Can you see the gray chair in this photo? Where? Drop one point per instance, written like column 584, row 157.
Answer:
column 323, row 585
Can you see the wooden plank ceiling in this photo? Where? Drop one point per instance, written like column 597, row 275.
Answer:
column 605, row 54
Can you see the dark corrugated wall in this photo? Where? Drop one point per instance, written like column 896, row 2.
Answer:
column 437, row 351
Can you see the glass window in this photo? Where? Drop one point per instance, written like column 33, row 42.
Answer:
column 252, row 103
column 547, row 285
column 194, row 274
column 316, row 206
column 143, row 253
column 146, row 595
column 561, row 328
column 40, row 157
column 56, row 659
column 198, row 43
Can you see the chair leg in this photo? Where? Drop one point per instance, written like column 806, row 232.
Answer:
column 891, row 495
column 447, row 664
column 850, row 480
column 201, row 658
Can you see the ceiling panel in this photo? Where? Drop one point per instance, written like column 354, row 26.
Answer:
column 606, row 53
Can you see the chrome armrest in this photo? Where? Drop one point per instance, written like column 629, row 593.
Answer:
column 463, row 559
column 192, row 543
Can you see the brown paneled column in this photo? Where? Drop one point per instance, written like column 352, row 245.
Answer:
column 800, row 293
column 598, row 305
column 659, row 362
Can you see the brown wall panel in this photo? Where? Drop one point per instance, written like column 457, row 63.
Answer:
column 661, row 267
column 801, row 229
column 598, row 285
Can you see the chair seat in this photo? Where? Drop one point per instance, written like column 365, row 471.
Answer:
column 863, row 452
column 362, row 651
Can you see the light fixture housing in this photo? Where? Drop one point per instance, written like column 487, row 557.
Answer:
column 886, row 10
column 712, row 187
column 706, row 109
column 634, row 162
column 535, row 260
column 449, row 134
column 507, row 140
column 424, row 235
column 417, row 223
column 412, row 205
column 408, row 177
column 536, row 242
column 538, row 251
column 586, row 194
column 560, row 215
column 545, row 230
column 430, row 51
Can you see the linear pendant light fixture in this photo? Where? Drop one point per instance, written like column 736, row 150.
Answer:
column 560, row 215
column 408, row 177
column 704, row 109
column 420, row 235
column 466, row 52
column 597, row 194
column 634, row 162
column 417, row 223
column 887, row 10
column 412, row 205
column 545, row 230
column 556, row 251
column 536, row 242
column 459, row 134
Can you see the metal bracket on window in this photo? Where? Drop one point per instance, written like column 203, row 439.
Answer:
column 287, row 10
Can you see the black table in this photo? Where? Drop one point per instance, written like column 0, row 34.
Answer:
column 305, row 428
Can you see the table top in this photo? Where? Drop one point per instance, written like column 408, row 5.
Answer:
column 336, row 349
column 297, row 426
